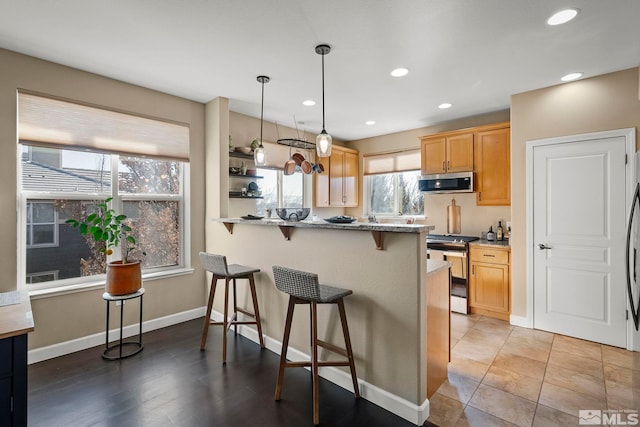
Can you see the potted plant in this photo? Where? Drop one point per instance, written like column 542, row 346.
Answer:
column 123, row 276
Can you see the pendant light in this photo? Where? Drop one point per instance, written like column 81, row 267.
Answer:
column 259, row 155
column 323, row 141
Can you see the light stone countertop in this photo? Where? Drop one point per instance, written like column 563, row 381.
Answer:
column 434, row 265
column 358, row 226
column 491, row 243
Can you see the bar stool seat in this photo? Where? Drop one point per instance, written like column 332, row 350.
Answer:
column 304, row 288
column 217, row 265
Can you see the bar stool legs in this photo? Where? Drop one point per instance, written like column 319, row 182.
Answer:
column 315, row 343
column 226, row 322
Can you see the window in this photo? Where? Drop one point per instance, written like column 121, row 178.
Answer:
column 280, row 190
column 60, row 184
column 394, row 193
column 74, row 156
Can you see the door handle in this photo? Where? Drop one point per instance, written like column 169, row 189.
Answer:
column 542, row 246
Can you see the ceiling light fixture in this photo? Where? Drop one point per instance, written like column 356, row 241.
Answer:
column 370, row 122
column 259, row 155
column 308, row 103
column 323, row 141
column 400, row 72
column 562, row 17
column 571, row 76
column 445, row 105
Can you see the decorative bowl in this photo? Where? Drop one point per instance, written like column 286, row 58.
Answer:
column 244, row 150
column 293, row 214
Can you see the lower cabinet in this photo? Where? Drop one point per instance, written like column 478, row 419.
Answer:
column 489, row 281
column 13, row 381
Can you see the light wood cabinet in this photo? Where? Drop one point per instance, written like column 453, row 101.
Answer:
column 489, row 281
column 337, row 186
column 493, row 167
column 452, row 152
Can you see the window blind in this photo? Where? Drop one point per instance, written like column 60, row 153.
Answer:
column 54, row 123
column 398, row 161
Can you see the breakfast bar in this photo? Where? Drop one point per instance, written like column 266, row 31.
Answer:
column 384, row 264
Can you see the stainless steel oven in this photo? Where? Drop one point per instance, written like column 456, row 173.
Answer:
column 454, row 249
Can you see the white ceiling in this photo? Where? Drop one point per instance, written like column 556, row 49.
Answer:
column 472, row 53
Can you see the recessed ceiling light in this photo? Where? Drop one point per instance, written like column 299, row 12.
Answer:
column 370, row 122
column 308, row 103
column 562, row 17
column 571, row 76
column 399, row 72
column 445, row 105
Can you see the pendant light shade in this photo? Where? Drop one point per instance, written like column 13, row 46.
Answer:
column 323, row 141
column 259, row 154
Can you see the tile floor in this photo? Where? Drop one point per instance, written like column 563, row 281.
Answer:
column 503, row 375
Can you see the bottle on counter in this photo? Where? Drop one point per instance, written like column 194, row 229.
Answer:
column 499, row 232
column 491, row 236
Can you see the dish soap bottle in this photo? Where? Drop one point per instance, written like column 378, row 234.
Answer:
column 499, row 232
column 491, row 236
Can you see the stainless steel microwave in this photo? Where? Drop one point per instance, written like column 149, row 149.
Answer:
column 460, row 182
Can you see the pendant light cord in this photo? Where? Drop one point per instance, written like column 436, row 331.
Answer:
column 323, row 91
column 261, row 113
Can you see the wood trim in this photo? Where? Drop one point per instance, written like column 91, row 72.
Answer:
column 490, row 313
column 474, row 129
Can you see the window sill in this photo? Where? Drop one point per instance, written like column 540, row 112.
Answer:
column 91, row 286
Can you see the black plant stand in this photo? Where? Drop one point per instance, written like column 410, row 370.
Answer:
column 118, row 347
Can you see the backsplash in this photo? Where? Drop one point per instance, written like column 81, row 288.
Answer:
column 474, row 219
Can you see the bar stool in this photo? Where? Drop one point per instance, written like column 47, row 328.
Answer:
column 217, row 265
column 303, row 288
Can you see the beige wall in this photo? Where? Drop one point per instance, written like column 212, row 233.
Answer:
column 66, row 317
column 475, row 219
column 590, row 105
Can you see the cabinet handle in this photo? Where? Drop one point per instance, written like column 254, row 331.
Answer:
column 444, row 165
column 491, row 256
column 448, row 164
column 473, row 269
column 479, row 195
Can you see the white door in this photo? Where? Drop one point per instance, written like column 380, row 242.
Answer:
column 579, row 233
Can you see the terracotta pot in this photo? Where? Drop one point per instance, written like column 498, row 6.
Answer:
column 123, row 279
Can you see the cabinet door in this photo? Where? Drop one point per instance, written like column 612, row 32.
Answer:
column 336, row 172
column 322, row 184
column 433, row 155
column 350, row 179
column 493, row 167
column 460, row 153
column 489, row 287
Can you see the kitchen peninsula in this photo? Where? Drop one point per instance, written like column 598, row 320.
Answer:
column 387, row 312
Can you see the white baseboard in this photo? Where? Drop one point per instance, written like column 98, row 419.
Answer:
column 522, row 321
column 67, row 347
column 392, row 403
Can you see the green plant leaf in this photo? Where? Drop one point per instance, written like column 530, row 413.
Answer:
column 131, row 240
column 121, row 218
column 83, row 228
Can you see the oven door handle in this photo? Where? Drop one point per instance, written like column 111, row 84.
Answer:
column 455, row 254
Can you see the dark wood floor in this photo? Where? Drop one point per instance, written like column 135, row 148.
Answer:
column 173, row 383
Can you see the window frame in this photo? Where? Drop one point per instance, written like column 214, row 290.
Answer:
column 62, row 286
column 396, row 197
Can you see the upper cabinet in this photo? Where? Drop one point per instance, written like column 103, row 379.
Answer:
column 443, row 153
column 337, row 186
column 484, row 150
column 493, row 167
